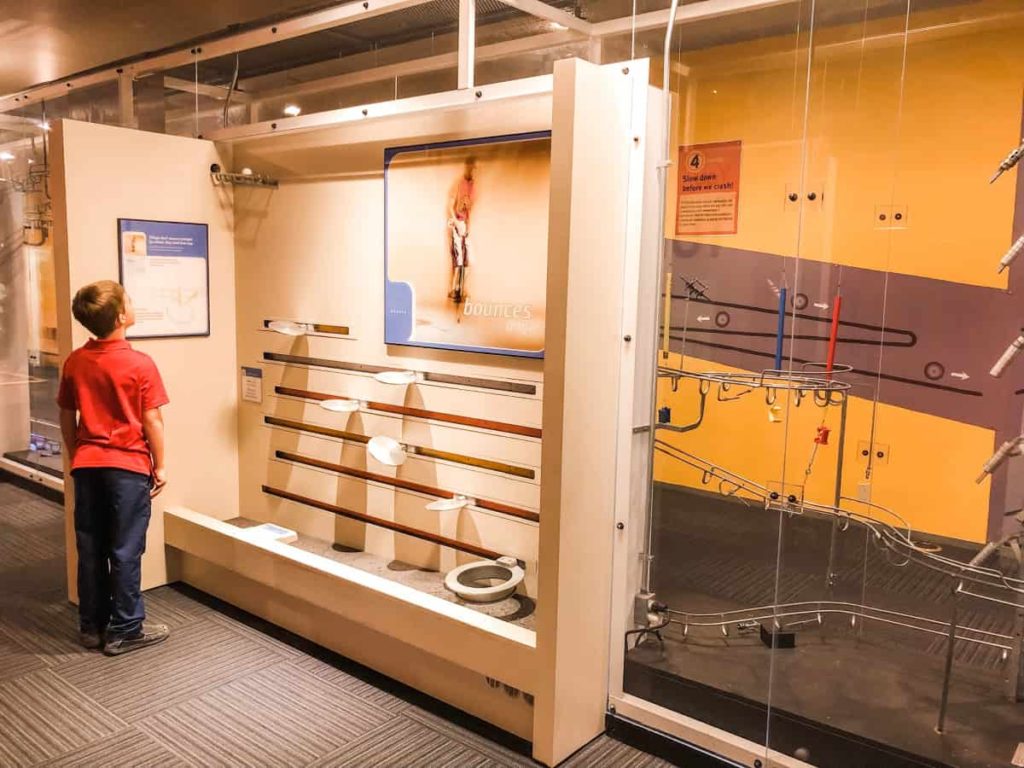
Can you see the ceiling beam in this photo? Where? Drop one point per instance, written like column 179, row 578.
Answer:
column 348, row 13
column 447, row 100
column 467, row 43
column 297, row 26
column 219, row 92
column 23, row 125
column 700, row 11
column 555, row 15
column 417, row 66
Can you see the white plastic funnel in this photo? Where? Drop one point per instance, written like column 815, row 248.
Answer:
column 287, row 327
column 340, row 406
column 386, row 450
column 396, row 377
column 449, row 505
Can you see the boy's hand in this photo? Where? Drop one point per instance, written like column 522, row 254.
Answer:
column 159, row 481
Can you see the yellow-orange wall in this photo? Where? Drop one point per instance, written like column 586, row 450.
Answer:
column 920, row 127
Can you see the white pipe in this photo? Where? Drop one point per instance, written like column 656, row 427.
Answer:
column 663, row 167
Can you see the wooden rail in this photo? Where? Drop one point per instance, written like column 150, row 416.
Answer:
column 421, row 413
column 418, row 450
column 406, row 530
column 408, row 485
column 499, row 385
column 333, row 330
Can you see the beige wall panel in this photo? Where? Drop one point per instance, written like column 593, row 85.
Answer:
column 312, row 250
column 522, row 451
column 102, row 173
column 444, row 476
column 498, row 532
column 464, row 402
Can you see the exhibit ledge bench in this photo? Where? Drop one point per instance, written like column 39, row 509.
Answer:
column 445, row 630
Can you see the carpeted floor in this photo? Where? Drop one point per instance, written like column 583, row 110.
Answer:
column 225, row 690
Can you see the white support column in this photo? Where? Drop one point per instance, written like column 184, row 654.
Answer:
column 126, row 99
column 467, row 42
column 599, row 122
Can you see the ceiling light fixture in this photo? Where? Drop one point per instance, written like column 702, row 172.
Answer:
column 555, row 25
column 6, row 157
column 293, row 110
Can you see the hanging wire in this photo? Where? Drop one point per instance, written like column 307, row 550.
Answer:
column 227, row 99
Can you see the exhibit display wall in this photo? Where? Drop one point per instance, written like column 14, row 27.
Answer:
column 832, row 573
column 312, row 251
column 100, row 174
column 336, row 485
column 951, row 230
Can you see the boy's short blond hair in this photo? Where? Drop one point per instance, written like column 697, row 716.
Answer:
column 98, row 305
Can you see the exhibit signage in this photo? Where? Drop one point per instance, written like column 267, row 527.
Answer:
column 164, row 267
column 252, row 384
column 466, row 231
column 709, row 189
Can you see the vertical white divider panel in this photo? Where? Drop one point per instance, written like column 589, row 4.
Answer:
column 634, row 466
column 597, row 184
column 101, row 173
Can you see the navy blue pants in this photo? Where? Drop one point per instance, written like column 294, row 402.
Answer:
column 112, row 509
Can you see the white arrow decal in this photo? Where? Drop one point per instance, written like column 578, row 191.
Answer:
column 703, row 319
column 821, row 306
column 960, row 375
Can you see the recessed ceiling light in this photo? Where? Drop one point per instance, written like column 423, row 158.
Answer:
column 293, row 110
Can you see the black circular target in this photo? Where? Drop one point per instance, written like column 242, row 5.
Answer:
column 934, row 371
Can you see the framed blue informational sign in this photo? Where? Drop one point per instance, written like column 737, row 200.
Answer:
column 466, row 243
column 165, row 268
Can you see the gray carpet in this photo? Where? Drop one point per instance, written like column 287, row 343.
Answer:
column 225, row 690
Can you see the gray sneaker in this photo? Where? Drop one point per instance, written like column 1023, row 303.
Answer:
column 148, row 635
column 90, row 640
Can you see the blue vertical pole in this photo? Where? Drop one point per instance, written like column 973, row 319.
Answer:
column 780, row 334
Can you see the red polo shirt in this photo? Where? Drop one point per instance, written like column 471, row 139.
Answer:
column 111, row 385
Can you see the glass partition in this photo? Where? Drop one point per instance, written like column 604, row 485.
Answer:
column 834, row 568
column 29, row 361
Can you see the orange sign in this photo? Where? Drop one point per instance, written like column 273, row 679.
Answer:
column 709, row 189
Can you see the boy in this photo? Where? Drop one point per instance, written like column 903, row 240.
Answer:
column 110, row 398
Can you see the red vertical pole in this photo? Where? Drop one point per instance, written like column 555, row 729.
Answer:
column 834, row 335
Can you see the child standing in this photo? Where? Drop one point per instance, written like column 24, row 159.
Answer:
column 110, row 398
